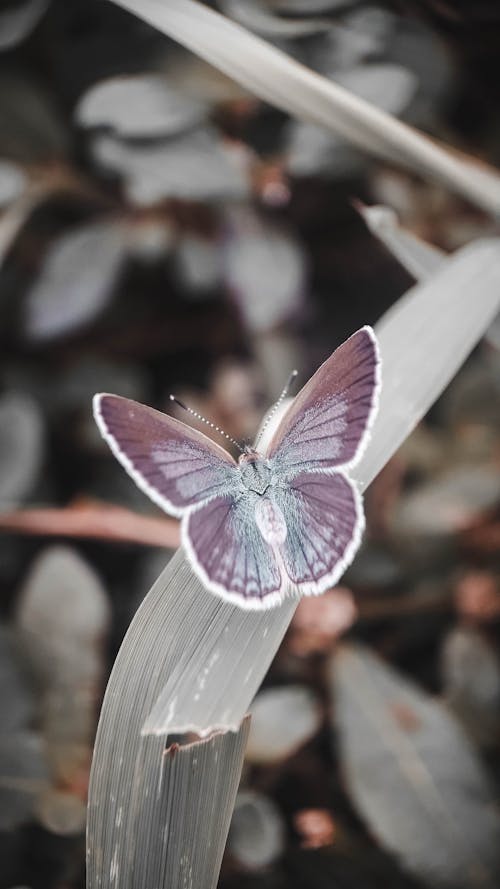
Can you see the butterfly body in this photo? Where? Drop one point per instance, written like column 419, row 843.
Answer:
column 273, row 522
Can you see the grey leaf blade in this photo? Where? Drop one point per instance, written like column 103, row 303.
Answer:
column 424, row 338
column 419, row 258
column 76, row 280
column 144, row 800
column 412, row 774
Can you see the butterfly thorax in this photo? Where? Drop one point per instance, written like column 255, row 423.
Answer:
column 255, row 472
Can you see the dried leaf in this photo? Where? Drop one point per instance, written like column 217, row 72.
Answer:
column 94, row 520
column 412, row 774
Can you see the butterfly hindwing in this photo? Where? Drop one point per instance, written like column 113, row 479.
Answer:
column 324, row 518
column 327, row 424
column 228, row 551
column 178, row 467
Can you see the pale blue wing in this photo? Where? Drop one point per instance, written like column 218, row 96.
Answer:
column 324, row 519
column 327, row 424
column 227, row 550
column 178, row 467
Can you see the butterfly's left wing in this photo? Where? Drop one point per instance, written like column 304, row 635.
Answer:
column 177, row 466
column 324, row 518
column 228, row 551
column 327, row 424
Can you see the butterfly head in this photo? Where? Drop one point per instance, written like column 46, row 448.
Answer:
column 249, row 455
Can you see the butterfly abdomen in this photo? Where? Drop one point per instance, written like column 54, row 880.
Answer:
column 270, row 521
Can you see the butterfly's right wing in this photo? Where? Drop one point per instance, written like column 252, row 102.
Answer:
column 324, row 518
column 178, row 467
column 327, row 425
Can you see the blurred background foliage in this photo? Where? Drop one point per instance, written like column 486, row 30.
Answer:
column 162, row 230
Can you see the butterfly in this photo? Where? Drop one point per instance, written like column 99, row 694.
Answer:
column 286, row 520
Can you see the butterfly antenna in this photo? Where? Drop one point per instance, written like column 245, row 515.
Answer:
column 276, row 406
column 204, row 420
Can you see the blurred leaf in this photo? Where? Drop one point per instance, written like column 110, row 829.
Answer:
column 17, row 694
column 23, row 777
column 283, row 720
column 13, row 182
column 257, row 833
column 102, row 521
column 16, row 215
column 307, row 7
column 448, row 503
column 198, row 264
column 265, row 270
column 258, row 16
column 76, row 280
column 61, row 813
column 277, row 79
column 471, row 682
column 195, row 166
column 17, row 23
column 64, row 612
column 144, row 105
column 21, row 447
column 31, row 129
column 412, row 774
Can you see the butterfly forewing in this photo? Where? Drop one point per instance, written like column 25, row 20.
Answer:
column 324, row 524
column 227, row 549
column 327, row 423
column 178, row 467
